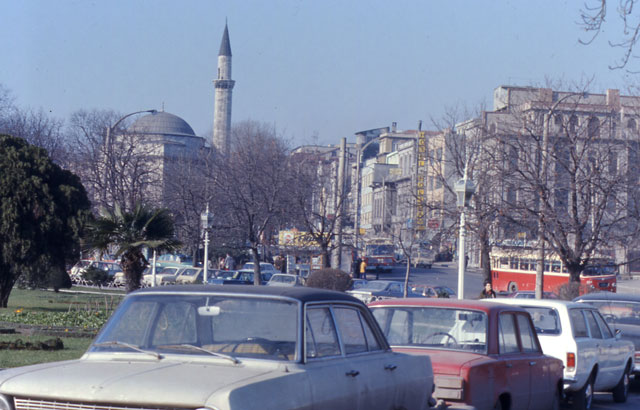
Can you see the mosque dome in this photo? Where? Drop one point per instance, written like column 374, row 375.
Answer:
column 162, row 123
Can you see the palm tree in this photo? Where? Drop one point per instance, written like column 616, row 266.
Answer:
column 130, row 233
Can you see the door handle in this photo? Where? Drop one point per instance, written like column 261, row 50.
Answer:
column 390, row 367
column 352, row 373
column 532, row 363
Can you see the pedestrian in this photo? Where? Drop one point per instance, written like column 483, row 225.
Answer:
column 487, row 292
column 363, row 268
column 356, row 268
column 229, row 262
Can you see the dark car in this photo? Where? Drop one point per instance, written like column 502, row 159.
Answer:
column 622, row 312
column 381, row 289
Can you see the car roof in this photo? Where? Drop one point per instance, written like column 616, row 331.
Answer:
column 301, row 293
column 555, row 303
column 629, row 297
column 483, row 305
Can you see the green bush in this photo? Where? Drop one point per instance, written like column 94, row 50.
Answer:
column 96, row 276
column 333, row 279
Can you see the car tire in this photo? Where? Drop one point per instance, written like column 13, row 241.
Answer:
column 583, row 398
column 512, row 287
column 621, row 391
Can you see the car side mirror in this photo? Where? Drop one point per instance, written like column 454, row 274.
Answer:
column 618, row 334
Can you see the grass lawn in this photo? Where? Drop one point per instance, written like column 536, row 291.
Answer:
column 81, row 308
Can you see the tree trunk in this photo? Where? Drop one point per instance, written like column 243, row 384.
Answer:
column 257, row 280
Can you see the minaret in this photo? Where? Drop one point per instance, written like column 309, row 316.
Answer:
column 224, row 88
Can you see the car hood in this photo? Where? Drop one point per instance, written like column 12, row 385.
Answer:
column 447, row 362
column 138, row 381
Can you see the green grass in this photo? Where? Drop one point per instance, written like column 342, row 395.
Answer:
column 74, row 347
column 55, row 309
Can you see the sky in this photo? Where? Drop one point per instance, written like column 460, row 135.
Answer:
column 315, row 70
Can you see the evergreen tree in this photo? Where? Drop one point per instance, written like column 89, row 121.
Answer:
column 42, row 209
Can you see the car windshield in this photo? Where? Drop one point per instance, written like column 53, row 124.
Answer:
column 374, row 286
column 203, row 325
column 434, row 327
column 545, row 320
column 619, row 312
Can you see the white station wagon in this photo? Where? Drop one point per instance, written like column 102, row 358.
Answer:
column 229, row 347
column 595, row 358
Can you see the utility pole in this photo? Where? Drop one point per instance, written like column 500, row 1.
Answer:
column 339, row 204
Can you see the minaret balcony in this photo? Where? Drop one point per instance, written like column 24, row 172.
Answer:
column 224, row 84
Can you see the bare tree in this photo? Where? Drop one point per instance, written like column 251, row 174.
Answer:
column 124, row 170
column 594, row 19
column 250, row 186
column 566, row 177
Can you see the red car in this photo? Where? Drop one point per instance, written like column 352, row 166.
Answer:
column 484, row 355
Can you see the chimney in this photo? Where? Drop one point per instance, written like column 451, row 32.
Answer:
column 393, row 126
column 613, row 99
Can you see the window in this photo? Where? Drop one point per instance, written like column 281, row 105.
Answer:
column 322, row 340
column 573, row 125
column 578, row 324
column 631, row 125
column 603, row 326
column 176, row 324
column 526, row 334
column 508, row 339
column 357, row 336
column 593, row 128
column 593, row 325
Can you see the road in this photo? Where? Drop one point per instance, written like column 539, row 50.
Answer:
column 440, row 274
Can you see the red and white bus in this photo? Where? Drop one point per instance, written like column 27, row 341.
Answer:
column 379, row 255
column 515, row 269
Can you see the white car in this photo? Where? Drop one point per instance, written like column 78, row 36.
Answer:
column 229, row 347
column 285, row 279
column 164, row 276
column 595, row 358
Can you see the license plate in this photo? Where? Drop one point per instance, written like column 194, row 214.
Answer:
column 603, row 285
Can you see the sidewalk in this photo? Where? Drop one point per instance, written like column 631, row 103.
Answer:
column 626, row 285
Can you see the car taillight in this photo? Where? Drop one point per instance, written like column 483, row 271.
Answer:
column 449, row 387
column 571, row 362
column 637, row 357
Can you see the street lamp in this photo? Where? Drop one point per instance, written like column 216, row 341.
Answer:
column 464, row 189
column 207, row 221
column 113, row 127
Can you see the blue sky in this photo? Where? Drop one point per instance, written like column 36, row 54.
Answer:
column 317, row 70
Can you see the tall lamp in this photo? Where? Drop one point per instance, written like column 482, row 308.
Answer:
column 207, row 221
column 464, row 188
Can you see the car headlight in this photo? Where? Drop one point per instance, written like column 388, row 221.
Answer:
column 6, row 402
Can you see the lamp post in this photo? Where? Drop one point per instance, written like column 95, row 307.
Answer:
column 207, row 221
column 464, row 189
column 113, row 127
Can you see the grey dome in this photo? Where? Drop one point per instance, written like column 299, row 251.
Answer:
column 162, row 123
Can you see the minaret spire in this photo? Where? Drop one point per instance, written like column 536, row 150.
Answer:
column 223, row 91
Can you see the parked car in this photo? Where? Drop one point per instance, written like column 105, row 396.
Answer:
column 380, row 289
column 78, row 270
column 484, row 355
column 358, row 283
column 181, row 347
column 164, row 276
column 285, row 279
column 431, row 291
column 173, row 259
column 528, row 294
column 194, row 275
column 622, row 312
column 595, row 358
column 265, row 267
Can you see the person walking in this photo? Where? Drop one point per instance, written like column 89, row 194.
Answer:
column 488, row 292
column 229, row 262
column 363, row 268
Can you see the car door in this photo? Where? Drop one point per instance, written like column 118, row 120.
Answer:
column 333, row 380
column 541, row 387
column 617, row 355
column 395, row 290
column 373, row 369
column 515, row 365
column 604, row 351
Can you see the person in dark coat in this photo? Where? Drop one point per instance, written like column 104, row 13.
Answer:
column 487, row 292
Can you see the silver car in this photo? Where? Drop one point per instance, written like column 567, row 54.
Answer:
column 229, row 347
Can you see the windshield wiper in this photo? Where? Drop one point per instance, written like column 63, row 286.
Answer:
column 200, row 349
column 130, row 346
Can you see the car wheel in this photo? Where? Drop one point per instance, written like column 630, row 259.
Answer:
column 583, row 398
column 621, row 391
column 512, row 287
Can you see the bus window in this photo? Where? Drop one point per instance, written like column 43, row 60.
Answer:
column 524, row 264
column 555, row 266
column 504, row 262
column 514, row 263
